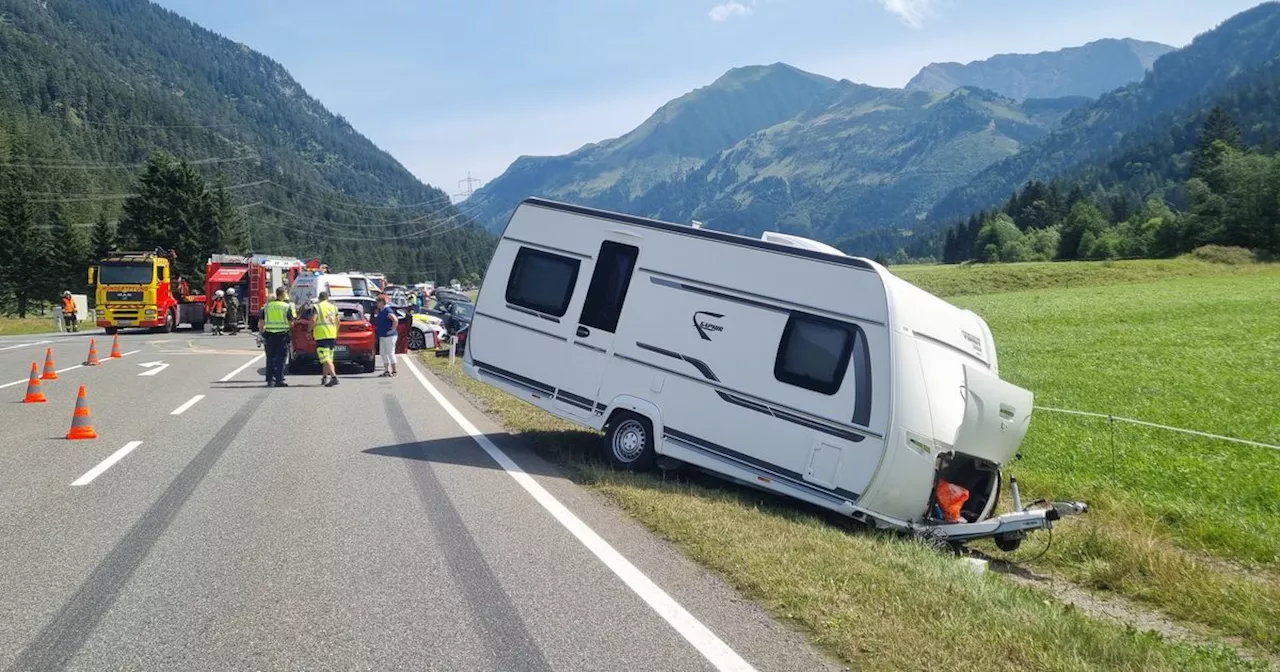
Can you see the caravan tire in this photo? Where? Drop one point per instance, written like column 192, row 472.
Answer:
column 628, row 442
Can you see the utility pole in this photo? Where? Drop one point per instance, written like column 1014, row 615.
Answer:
column 466, row 191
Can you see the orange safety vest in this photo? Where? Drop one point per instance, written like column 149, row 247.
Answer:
column 68, row 305
column 218, row 307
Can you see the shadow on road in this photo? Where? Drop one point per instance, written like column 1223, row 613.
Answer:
column 578, row 457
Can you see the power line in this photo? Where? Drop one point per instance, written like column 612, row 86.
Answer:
column 80, row 198
column 121, row 166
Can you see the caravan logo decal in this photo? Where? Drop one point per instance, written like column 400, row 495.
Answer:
column 703, row 326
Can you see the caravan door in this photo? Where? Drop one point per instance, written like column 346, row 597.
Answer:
column 592, row 341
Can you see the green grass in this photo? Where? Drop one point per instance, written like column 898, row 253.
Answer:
column 877, row 602
column 1189, row 525
column 13, row 326
column 954, row 280
column 1186, row 525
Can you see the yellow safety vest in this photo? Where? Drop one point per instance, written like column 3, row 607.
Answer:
column 326, row 325
column 277, row 321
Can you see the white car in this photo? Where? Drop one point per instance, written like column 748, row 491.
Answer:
column 426, row 331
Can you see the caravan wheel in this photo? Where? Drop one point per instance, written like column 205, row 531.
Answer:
column 628, row 442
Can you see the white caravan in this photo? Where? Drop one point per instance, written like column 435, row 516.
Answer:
column 780, row 363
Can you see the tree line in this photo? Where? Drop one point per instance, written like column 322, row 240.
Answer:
column 1231, row 197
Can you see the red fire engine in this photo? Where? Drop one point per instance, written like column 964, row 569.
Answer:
column 254, row 278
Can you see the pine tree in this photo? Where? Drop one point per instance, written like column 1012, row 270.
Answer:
column 70, row 254
column 1218, row 135
column 104, row 236
column 29, row 256
column 233, row 230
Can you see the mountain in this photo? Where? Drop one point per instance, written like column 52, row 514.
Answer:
column 864, row 156
column 90, row 88
column 1180, row 84
column 1089, row 70
column 769, row 144
column 677, row 138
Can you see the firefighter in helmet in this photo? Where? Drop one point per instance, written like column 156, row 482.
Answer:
column 69, row 318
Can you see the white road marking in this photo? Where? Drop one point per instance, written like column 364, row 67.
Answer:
column 242, row 367
column 700, row 636
column 153, row 368
column 189, row 403
column 103, row 360
column 106, row 464
column 23, row 345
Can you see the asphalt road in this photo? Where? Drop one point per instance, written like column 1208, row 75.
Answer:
column 379, row 525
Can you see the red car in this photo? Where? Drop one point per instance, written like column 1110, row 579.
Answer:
column 356, row 340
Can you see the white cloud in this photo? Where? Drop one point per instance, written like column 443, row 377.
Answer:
column 912, row 12
column 728, row 10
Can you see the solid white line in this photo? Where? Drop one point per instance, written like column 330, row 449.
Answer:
column 23, row 345
column 71, row 368
column 106, row 464
column 700, row 636
column 242, row 367
column 190, row 402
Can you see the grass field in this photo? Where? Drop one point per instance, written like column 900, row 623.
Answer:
column 1186, row 525
column 13, row 326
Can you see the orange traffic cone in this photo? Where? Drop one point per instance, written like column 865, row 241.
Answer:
column 81, row 428
column 115, row 348
column 93, row 353
column 34, row 395
column 49, row 373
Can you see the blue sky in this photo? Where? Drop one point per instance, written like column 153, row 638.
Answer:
column 452, row 87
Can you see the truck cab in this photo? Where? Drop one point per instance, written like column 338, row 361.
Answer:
column 138, row 289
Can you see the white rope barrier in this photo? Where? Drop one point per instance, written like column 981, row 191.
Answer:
column 1144, row 423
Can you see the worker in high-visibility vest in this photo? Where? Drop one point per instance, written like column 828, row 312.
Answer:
column 325, row 332
column 277, row 323
column 69, row 316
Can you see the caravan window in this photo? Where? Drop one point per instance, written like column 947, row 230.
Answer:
column 814, row 353
column 609, row 284
column 542, row 281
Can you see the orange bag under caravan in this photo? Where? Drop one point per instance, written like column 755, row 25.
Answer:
column 951, row 497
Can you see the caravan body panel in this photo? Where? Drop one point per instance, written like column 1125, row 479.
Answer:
column 778, row 364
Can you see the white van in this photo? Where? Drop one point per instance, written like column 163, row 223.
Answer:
column 309, row 284
column 779, row 363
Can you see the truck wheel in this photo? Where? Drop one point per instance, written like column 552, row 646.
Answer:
column 628, row 442
column 197, row 327
column 111, row 331
column 253, row 324
column 370, row 365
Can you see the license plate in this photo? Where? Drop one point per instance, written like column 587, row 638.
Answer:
column 124, row 323
column 341, row 350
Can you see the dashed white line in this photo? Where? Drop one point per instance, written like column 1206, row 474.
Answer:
column 103, row 360
column 188, row 404
column 700, row 636
column 106, row 464
column 242, row 367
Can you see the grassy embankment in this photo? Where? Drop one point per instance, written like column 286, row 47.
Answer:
column 1180, row 342
column 13, row 326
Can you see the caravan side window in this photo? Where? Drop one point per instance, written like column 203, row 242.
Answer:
column 542, row 281
column 814, row 353
column 609, row 283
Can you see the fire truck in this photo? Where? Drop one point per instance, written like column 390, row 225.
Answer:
column 254, row 278
column 138, row 289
